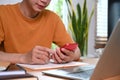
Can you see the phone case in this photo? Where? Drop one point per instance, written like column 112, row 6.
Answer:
column 70, row 46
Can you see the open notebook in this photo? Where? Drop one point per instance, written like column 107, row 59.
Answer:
column 107, row 66
column 2, row 68
column 52, row 65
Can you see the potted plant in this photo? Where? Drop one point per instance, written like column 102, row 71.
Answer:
column 79, row 22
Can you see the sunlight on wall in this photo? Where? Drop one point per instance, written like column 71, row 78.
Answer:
column 60, row 8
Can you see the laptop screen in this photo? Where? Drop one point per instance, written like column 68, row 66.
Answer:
column 109, row 64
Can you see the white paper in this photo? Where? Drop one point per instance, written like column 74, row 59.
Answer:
column 52, row 65
column 7, row 73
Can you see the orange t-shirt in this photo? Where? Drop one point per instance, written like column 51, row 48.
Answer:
column 20, row 34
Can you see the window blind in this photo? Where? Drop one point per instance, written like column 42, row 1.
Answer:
column 102, row 23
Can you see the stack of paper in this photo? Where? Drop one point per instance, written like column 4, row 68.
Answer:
column 52, row 65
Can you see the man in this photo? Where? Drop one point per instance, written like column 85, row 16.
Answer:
column 27, row 31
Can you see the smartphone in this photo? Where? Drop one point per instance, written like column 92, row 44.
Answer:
column 70, row 46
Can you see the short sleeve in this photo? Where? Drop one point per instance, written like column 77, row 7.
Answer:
column 1, row 31
column 61, row 35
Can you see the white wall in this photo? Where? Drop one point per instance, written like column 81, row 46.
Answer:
column 91, row 41
column 9, row 1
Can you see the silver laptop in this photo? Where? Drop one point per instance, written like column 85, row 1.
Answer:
column 107, row 66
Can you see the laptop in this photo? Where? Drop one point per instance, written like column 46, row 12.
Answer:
column 107, row 66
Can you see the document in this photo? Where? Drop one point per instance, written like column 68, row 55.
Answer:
column 52, row 65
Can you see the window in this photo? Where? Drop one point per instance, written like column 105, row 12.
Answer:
column 56, row 6
column 102, row 23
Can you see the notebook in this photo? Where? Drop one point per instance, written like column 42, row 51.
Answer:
column 16, row 72
column 2, row 68
column 107, row 66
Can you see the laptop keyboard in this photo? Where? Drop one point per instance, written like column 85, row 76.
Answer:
column 74, row 73
column 82, row 74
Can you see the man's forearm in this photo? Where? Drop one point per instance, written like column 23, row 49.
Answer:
column 10, row 57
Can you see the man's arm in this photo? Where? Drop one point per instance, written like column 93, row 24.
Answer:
column 38, row 55
column 10, row 57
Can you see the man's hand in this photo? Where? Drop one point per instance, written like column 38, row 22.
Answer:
column 38, row 55
column 65, row 55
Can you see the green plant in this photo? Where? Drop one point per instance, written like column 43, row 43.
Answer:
column 79, row 22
